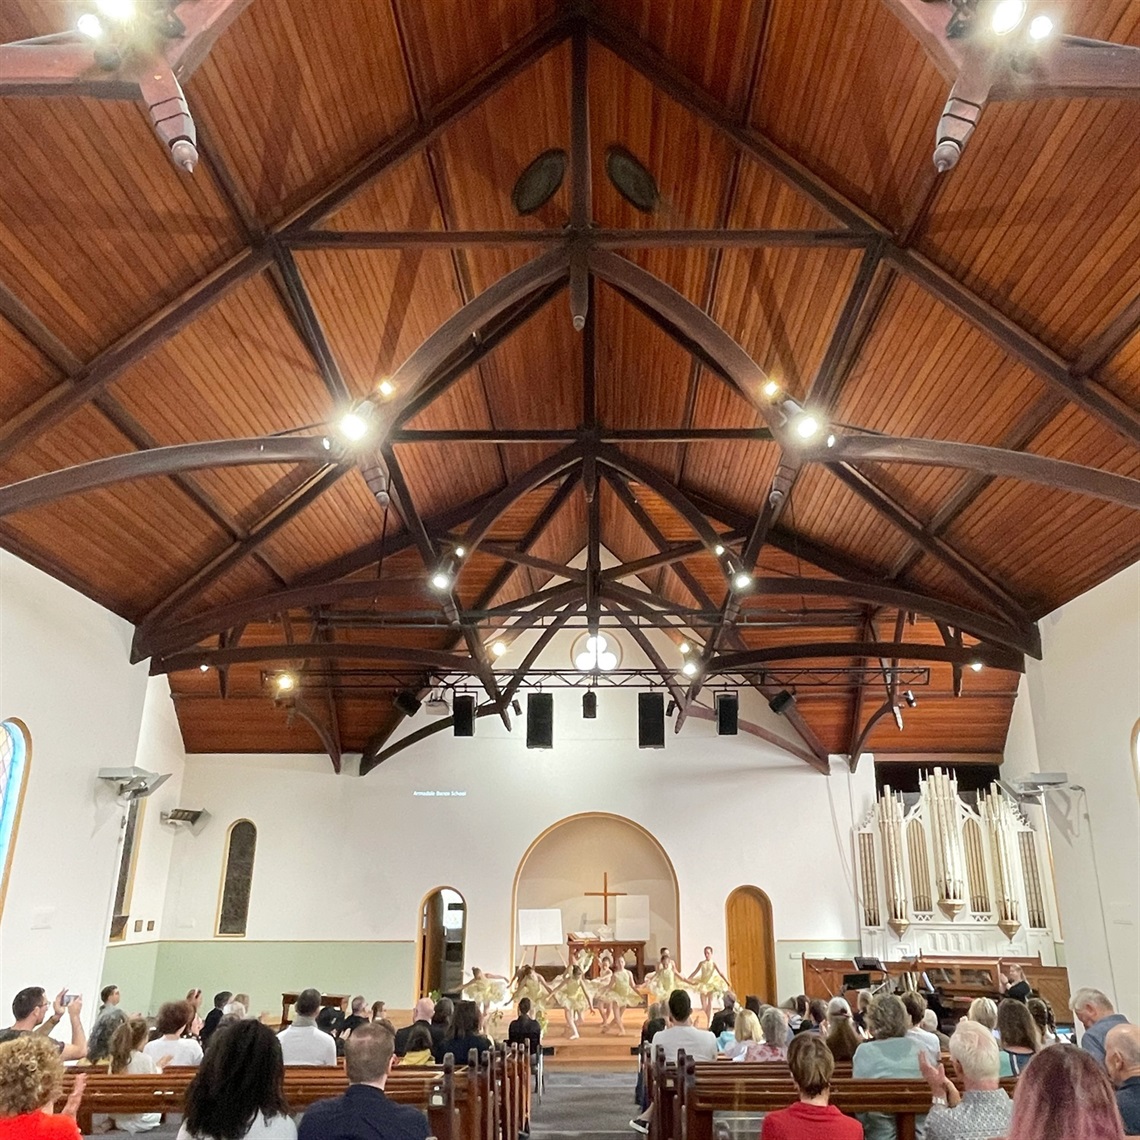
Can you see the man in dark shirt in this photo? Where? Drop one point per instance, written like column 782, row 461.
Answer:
column 421, row 1015
column 524, row 1030
column 1122, row 1059
column 356, row 1017
column 30, row 1008
column 726, row 1018
column 364, row 1112
column 214, row 1016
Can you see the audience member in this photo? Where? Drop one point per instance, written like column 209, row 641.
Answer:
column 930, row 1024
column 1094, row 1011
column 983, row 1110
column 239, row 1089
column 890, row 1054
column 194, row 1025
column 793, row 1014
column 356, row 1016
column 654, row 1021
column 441, row 1020
column 745, row 1032
column 364, row 1111
column 99, row 1042
column 1046, row 1023
column 862, row 1004
column 109, row 998
column 127, row 1057
column 1014, row 985
column 753, row 1003
column 235, row 1010
column 303, row 1043
column 31, row 1077
column 1122, row 1060
column 379, row 1011
column 915, row 1005
column 1017, row 1032
column 1065, row 1095
column 817, row 1015
column 221, row 1000
column 418, row 1045
column 812, row 1118
column 421, row 1015
column 774, row 1047
column 983, row 1010
column 330, row 1020
column 525, row 1030
column 842, row 1036
column 679, row 1034
column 463, row 1036
column 724, row 1018
column 29, row 1009
column 173, row 1017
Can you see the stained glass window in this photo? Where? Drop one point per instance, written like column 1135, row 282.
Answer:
column 13, row 777
column 238, row 879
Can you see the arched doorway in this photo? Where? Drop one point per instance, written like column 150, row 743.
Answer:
column 751, row 946
column 576, row 855
column 442, row 939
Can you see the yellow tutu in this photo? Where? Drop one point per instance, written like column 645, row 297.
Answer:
column 708, row 979
column 573, row 996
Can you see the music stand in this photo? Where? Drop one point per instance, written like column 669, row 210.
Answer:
column 868, row 966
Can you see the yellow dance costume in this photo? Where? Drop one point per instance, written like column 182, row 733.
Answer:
column 708, row 980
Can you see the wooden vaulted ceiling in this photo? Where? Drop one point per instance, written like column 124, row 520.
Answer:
column 353, row 196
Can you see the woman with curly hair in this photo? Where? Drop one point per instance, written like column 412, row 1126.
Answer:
column 1065, row 1095
column 31, row 1077
column 239, row 1089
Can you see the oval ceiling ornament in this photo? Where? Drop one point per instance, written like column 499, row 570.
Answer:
column 632, row 180
column 539, row 182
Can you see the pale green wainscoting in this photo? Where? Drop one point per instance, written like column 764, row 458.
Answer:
column 149, row 973
column 789, row 960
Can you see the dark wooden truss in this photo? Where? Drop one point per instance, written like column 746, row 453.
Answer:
column 177, row 633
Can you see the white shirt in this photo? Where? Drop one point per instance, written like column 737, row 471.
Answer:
column 699, row 1044
column 307, row 1045
column 182, row 1050
column 930, row 1044
column 275, row 1128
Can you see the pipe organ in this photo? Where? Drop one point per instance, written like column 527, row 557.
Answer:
column 953, row 876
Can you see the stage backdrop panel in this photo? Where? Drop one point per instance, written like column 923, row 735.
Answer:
column 540, row 927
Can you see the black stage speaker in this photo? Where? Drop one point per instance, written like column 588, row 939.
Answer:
column 463, row 714
column 780, row 701
column 650, row 720
column 727, row 713
column 540, row 720
column 407, row 702
column 590, row 705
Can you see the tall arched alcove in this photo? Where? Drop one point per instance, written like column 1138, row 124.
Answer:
column 576, row 855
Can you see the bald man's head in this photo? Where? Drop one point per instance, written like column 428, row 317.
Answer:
column 1122, row 1052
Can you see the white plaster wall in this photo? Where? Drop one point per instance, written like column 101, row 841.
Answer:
column 1075, row 712
column 65, row 672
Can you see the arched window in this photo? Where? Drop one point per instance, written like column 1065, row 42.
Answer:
column 233, row 910
column 14, row 755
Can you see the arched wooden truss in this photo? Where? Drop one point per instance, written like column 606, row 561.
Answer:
column 180, row 633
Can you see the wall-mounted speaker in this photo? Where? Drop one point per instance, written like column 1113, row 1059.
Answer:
column 407, row 702
column 463, row 714
column 727, row 713
column 650, row 720
column 540, row 720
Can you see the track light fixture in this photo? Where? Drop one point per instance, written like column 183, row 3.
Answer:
column 690, row 668
column 685, row 648
column 741, row 580
column 976, row 666
column 443, row 577
column 671, row 707
column 498, row 648
column 284, row 683
column 516, row 706
column 1006, row 15
column 386, row 388
column 354, row 425
column 910, row 699
column 771, row 389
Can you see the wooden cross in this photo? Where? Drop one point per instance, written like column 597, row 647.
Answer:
column 606, row 894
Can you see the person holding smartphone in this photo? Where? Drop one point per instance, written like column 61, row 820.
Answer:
column 29, row 1008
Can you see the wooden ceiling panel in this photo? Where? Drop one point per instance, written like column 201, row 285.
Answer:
column 25, row 375
column 402, row 198
column 565, row 537
column 713, row 44
column 781, row 305
column 248, row 579
column 378, row 306
column 292, row 97
column 516, row 520
column 943, row 724
column 448, row 44
column 362, row 716
column 517, row 585
column 824, row 509
column 621, row 534
column 736, row 473
column 1122, row 373
column 847, row 90
column 99, row 229
column 240, row 725
column 1026, row 534
column 763, row 200
column 345, row 517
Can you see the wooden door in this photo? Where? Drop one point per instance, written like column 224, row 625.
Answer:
column 751, row 947
column 431, row 943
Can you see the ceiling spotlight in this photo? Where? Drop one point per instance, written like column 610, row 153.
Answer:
column 285, row 682
column 910, row 699
column 1040, row 28
column 771, row 389
column 806, row 426
column 516, row 706
column 442, row 578
column 671, row 708
column 718, row 550
column 498, row 648
column 976, row 666
column 742, row 580
column 353, row 426
column 90, row 25
column 831, row 440
column 121, row 10
column 204, row 667
column 684, row 647
column 1007, row 14
column 690, row 668
column 460, row 551
column 385, row 388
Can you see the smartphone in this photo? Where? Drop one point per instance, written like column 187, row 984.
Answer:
column 68, row 999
